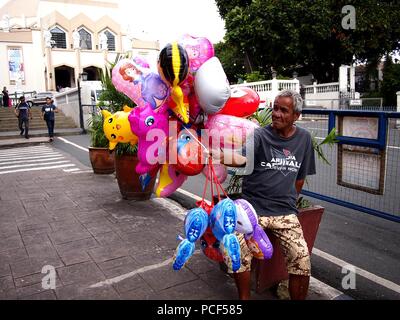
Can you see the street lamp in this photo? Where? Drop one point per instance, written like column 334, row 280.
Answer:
column 82, row 77
column 295, row 74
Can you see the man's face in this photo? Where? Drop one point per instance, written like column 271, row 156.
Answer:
column 48, row 101
column 283, row 115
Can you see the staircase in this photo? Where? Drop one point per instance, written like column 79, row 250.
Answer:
column 37, row 126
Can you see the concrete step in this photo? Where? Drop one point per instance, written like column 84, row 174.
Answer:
column 40, row 133
column 37, row 122
column 36, row 128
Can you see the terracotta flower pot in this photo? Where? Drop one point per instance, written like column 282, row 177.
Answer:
column 128, row 179
column 102, row 161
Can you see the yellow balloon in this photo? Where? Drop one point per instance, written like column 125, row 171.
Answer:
column 117, row 128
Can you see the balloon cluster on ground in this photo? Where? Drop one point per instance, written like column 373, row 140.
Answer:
column 182, row 109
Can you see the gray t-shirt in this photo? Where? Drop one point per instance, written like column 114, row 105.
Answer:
column 278, row 163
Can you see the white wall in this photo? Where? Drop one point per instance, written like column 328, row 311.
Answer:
column 34, row 75
column 68, row 103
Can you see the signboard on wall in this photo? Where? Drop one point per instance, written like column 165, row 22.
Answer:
column 16, row 67
column 361, row 168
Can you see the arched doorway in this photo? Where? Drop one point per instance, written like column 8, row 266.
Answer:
column 93, row 73
column 65, row 77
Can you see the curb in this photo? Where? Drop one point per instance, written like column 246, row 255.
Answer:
column 14, row 143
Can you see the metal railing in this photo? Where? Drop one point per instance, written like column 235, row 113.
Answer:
column 364, row 173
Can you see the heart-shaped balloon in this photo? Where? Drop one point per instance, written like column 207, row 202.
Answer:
column 199, row 50
column 243, row 102
column 229, row 131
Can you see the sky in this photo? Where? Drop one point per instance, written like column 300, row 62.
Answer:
column 168, row 20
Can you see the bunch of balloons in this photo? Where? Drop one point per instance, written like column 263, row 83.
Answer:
column 189, row 92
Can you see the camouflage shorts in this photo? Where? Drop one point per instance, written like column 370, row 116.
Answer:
column 290, row 234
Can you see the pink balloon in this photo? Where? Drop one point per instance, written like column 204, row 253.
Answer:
column 220, row 172
column 133, row 78
column 194, row 106
column 142, row 121
column 168, row 181
column 232, row 131
column 199, row 50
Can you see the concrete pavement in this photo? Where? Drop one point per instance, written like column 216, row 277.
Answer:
column 100, row 246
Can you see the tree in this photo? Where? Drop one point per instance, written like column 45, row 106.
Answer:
column 308, row 36
column 231, row 59
column 390, row 82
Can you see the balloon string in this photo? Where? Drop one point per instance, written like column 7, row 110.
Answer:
column 217, row 183
column 211, row 179
column 197, row 140
column 204, row 192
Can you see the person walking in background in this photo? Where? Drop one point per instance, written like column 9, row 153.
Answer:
column 23, row 112
column 5, row 97
column 48, row 111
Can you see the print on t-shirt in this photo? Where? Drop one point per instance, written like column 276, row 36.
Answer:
column 283, row 161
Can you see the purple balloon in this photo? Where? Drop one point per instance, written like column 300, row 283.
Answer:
column 257, row 241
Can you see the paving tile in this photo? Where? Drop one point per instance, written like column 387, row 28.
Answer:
column 6, row 283
column 10, row 294
column 8, row 229
column 108, row 253
column 132, row 283
column 31, row 290
column 165, row 277
column 69, row 235
column 193, row 290
column 109, row 238
column 142, row 293
column 74, row 257
column 87, row 272
column 13, row 242
column 13, row 255
column 5, row 269
column 84, row 244
column 34, row 279
column 65, row 224
column 45, row 249
column 118, row 267
column 199, row 263
column 31, row 266
column 221, row 283
column 35, row 239
column 96, row 228
column 44, row 295
column 78, row 292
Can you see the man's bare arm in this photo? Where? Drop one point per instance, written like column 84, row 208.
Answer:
column 231, row 159
column 299, row 185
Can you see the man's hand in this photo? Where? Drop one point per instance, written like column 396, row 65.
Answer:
column 217, row 156
column 230, row 158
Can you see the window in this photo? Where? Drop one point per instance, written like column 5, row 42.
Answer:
column 86, row 39
column 110, row 40
column 59, row 38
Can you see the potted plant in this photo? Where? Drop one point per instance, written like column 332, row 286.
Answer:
column 125, row 154
column 100, row 157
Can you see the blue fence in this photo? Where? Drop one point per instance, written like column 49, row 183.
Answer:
column 364, row 169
